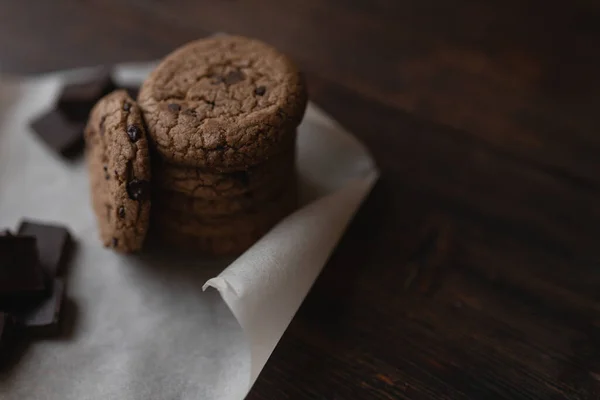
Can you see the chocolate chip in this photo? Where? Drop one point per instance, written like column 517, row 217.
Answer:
column 121, row 212
column 134, row 133
column 138, row 189
column 234, row 77
column 259, row 91
column 106, row 175
column 174, row 107
column 126, row 106
column 115, row 242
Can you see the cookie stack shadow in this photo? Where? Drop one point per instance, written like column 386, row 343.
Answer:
column 221, row 213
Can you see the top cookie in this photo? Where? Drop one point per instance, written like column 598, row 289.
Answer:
column 119, row 168
column 225, row 103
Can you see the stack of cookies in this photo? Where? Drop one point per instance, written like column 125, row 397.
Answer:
column 221, row 117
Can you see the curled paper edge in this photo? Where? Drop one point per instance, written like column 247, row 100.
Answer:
column 278, row 284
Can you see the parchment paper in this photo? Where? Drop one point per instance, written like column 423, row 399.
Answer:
column 141, row 327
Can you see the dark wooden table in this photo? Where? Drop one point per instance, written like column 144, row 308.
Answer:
column 473, row 270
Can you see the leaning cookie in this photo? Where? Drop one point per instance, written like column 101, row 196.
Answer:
column 224, row 103
column 119, row 169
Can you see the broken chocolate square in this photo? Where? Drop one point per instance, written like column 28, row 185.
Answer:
column 44, row 316
column 63, row 136
column 77, row 99
column 53, row 243
column 20, row 272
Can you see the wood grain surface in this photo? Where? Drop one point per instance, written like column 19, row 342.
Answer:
column 473, row 269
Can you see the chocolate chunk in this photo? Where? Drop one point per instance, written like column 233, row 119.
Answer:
column 259, row 91
column 77, row 99
column 134, row 133
column 20, row 271
column 174, row 107
column 121, row 212
column 138, row 189
column 106, row 175
column 44, row 316
column 234, row 77
column 60, row 134
column 53, row 243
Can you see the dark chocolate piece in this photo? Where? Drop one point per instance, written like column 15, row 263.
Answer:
column 59, row 133
column 77, row 99
column 259, row 91
column 53, row 243
column 20, row 272
column 44, row 316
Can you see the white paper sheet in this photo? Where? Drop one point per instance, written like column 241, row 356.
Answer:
column 142, row 327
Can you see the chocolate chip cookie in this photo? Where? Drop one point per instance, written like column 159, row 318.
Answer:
column 199, row 183
column 221, row 235
column 219, row 206
column 223, row 103
column 119, row 169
